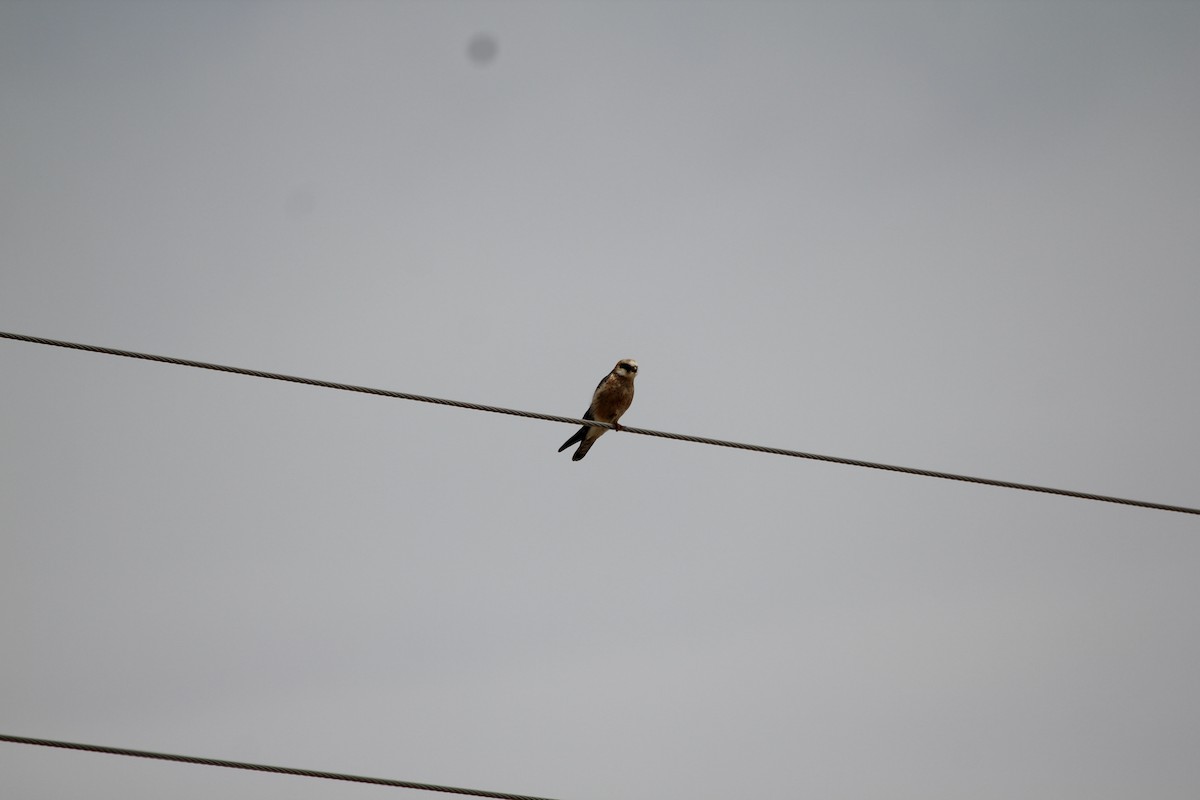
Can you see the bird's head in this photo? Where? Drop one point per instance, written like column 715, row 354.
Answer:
column 626, row 368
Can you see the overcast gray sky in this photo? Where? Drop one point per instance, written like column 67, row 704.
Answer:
column 958, row 236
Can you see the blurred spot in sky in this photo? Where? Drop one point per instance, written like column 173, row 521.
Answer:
column 482, row 49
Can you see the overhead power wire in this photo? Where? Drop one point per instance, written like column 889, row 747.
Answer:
column 853, row 462
column 304, row 773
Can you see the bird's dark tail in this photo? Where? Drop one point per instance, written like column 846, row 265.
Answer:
column 584, row 446
column 578, row 437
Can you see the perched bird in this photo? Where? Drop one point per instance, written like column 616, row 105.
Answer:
column 610, row 400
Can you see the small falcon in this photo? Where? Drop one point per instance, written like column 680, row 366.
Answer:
column 610, row 400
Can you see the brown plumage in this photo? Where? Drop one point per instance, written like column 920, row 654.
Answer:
column 610, row 400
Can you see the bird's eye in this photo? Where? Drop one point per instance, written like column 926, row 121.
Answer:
column 631, row 367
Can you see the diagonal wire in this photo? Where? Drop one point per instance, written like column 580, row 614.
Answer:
column 275, row 376
column 852, row 462
column 304, row 773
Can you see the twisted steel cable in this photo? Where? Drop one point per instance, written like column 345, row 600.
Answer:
column 852, row 462
column 304, row 773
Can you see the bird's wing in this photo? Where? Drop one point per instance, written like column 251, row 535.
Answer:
column 601, row 386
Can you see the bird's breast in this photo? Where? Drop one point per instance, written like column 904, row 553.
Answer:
column 612, row 401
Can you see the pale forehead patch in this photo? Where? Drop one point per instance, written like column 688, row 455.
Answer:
column 627, row 362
